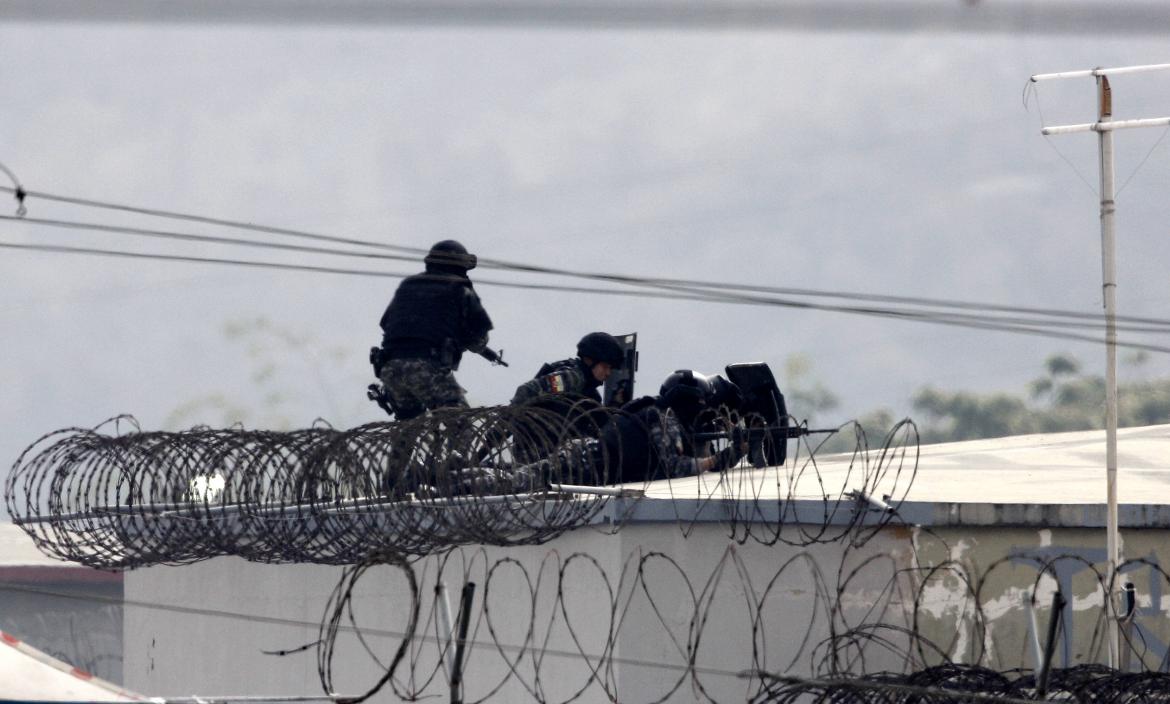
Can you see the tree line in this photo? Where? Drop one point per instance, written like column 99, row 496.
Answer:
column 1062, row 398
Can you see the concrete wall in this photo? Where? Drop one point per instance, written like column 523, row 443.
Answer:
column 975, row 602
column 644, row 614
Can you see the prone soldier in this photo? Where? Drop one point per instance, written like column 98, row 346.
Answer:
column 650, row 439
column 653, row 439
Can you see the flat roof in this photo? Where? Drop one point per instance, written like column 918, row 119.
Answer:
column 1048, row 479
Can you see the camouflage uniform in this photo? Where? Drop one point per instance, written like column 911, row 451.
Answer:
column 568, row 377
column 652, row 446
column 648, row 442
column 666, row 440
column 416, row 384
column 662, row 449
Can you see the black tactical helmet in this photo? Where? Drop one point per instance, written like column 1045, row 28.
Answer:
column 602, row 347
column 450, row 253
column 724, row 393
column 686, row 392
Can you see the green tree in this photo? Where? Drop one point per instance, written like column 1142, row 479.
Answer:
column 1062, row 399
column 962, row 415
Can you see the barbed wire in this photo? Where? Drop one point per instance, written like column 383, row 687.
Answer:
column 383, row 492
column 429, row 499
column 592, row 609
column 555, row 629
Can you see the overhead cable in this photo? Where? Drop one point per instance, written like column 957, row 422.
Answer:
column 493, row 263
column 942, row 318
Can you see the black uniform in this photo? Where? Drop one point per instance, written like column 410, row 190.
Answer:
column 433, row 318
column 649, row 442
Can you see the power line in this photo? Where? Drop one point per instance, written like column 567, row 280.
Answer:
column 661, row 288
column 955, row 320
column 209, row 239
column 239, row 224
column 698, row 287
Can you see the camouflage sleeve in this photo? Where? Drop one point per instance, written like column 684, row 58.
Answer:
column 666, row 436
column 526, row 392
column 560, row 381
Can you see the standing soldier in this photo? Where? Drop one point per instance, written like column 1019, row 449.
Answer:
column 433, row 318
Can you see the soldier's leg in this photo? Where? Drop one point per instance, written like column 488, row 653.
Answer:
column 455, row 447
column 399, row 377
column 422, row 382
column 446, row 391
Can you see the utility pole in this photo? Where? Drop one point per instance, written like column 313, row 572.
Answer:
column 1105, row 126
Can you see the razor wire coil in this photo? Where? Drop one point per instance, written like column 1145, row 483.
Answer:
column 383, row 492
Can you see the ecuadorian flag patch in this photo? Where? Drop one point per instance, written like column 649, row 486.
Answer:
column 555, row 383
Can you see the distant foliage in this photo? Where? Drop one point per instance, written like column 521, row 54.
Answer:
column 1063, row 399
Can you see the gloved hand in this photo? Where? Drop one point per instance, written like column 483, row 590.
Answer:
column 740, row 438
column 531, row 476
column 736, row 449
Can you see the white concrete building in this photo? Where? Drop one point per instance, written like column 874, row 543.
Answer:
column 681, row 594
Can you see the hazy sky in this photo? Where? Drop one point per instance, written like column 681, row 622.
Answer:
column 899, row 164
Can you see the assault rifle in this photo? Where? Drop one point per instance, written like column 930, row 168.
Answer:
column 758, row 399
column 762, row 440
column 787, row 432
column 496, row 358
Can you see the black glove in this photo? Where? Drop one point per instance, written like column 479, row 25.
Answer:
column 734, row 452
column 727, row 458
column 740, row 437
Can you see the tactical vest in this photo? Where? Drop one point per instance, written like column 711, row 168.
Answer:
column 426, row 311
column 550, row 367
column 548, row 373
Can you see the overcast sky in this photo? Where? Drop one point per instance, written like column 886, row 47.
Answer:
column 890, row 163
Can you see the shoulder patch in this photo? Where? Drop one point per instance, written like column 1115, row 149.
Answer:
column 554, row 383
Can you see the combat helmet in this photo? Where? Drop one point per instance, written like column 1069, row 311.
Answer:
column 686, row 392
column 450, row 254
column 602, row 347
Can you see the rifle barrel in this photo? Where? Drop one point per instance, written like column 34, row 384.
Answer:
column 789, row 432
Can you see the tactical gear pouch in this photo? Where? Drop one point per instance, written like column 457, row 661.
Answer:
column 449, row 355
column 377, row 360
